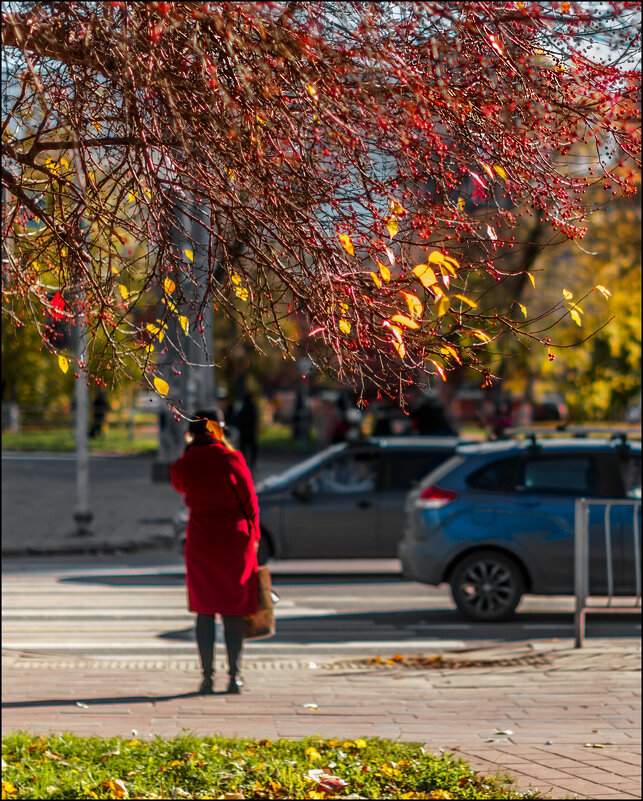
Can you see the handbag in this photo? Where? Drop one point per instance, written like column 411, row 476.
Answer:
column 262, row 623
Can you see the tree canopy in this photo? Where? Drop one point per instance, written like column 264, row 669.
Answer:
column 366, row 168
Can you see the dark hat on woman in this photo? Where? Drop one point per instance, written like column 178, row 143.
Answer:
column 202, row 418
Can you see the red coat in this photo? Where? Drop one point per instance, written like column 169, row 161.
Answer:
column 223, row 527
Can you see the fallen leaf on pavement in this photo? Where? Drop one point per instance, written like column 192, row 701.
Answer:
column 504, row 731
column 594, row 745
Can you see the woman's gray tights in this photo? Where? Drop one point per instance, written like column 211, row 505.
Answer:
column 205, row 635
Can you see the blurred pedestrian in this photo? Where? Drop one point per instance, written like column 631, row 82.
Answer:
column 222, row 541
column 503, row 419
column 99, row 410
column 247, row 423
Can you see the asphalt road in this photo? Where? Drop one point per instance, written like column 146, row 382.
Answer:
column 133, row 608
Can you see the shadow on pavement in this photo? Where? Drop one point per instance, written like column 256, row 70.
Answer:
column 411, row 624
column 167, row 579
column 124, row 699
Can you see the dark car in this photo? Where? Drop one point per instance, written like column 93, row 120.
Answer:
column 497, row 520
column 346, row 501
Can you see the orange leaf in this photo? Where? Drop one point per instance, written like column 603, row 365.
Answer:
column 169, row 286
column 451, row 351
column 439, row 369
column 482, row 336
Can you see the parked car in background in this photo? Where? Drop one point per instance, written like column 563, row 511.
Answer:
column 497, row 520
column 347, row 501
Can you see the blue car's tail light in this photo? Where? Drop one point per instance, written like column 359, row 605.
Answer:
column 435, row 497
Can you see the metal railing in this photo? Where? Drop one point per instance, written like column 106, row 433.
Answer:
column 581, row 556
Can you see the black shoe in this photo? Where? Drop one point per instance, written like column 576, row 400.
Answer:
column 206, row 687
column 234, row 685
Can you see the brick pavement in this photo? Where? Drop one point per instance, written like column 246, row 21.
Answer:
column 552, row 710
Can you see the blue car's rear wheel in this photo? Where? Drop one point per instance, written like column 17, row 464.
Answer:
column 487, row 586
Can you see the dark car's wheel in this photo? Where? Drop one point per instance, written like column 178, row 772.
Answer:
column 487, row 585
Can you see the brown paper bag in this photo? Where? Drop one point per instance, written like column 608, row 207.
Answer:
column 262, row 623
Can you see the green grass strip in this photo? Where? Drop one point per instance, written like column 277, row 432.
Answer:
column 67, row 766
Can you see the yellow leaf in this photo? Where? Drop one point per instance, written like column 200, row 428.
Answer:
column 439, row 793
column 176, row 762
column 466, row 300
column 392, row 226
column 344, row 326
column 384, row 271
column 312, row 92
column 189, row 255
column 132, row 743
column 395, row 207
column 131, row 196
column 63, row 363
column 185, row 325
column 241, row 292
column 575, row 317
column 313, row 753
column 451, row 351
column 64, row 162
column 8, row 789
column 155, row 331
column 347, row 244
column 117, row 788
column 123, row 290
column 376, row 279
column 567, row 294
column 425, row 274
column 603, row 290
column 169, row 286
column 397, row 332
column 523, row 309
column 414, row 305
column 360, row 743
column 443, row 305
column 235, row 278
column 169, row 304
column 399, row 347
column 461, row 203
column 402, row 319
column 91, row 177
column 96, row 125
column 343, row 306
column 436, row 257
column 500, row 171
column 482, row 336
column 438, row 291
column 532, row 279
column 162, row 387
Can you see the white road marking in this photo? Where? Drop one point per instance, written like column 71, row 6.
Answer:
column 353, row 645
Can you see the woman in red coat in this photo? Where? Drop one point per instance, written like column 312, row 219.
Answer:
column 222, row 541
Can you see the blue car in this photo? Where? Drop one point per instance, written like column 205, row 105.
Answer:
column 496, row 520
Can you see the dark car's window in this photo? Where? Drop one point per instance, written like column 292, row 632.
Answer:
column 402, row 470
column 559, row 475
column 352, row 473
column 631, row 474
column 495, row 477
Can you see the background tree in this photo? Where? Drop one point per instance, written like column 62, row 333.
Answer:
column 331, row 153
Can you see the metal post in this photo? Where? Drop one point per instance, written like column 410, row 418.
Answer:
column 82, row 515
column 608, row 553
column 637, row 551
column 580, row 563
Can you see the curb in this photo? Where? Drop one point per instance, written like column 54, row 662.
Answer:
column 162, row 542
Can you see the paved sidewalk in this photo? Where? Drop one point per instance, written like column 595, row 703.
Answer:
column 562, row 720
